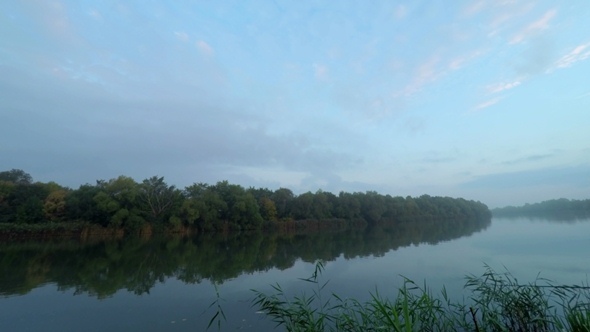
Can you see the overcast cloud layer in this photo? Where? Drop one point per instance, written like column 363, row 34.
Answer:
column 487, row 100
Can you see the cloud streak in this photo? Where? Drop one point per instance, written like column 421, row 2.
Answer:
column 487, row 103
column 427, row 72
column 579, row 53
column 533, row 158
column 182, row 36
column 499, row 87
column 534, row 27
column 460, row 61
column 205, row 48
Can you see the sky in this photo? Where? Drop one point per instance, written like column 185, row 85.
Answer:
column 485, row 100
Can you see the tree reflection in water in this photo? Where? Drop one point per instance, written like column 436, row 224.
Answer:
column 102, row 268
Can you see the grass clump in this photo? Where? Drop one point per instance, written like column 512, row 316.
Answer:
column 497, row 302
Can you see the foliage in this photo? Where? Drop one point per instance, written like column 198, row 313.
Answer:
column 16, row 176
column 555, row 209
column 22, row 201
column 124, row 203
column 39, row 229
column 159, row 201
column 498, row 303
column 219, row 313
column 502, row 304
column 54, row 206
column 118, row 199
column 303, row 313
column 268, row 209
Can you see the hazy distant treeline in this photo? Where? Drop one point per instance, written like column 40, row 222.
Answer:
column 558, row 209
column 124, row 203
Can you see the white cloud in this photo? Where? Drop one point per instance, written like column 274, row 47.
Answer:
column 487, row 104
column 205, row 48
column 577, row 54
column 534, row 27
column 504, row 17
column 182, row 36
column 425, row 73
column 460, row 61
column 495, row 88
column 474, row 8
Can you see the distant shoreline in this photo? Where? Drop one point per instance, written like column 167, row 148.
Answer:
column 555, row 209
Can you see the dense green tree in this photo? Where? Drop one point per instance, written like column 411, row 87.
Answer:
column 159, row 201
column 190, row 211
column 411, row 207
column 16, row 176
column 54, row 206
column 267, row 206
column 283, row 198
column 81, row 206
column 122, row 202
column 246, row 213
column 301, row 206
column 321, row 205
column 6, row 209
column 242, row 208
column 30, row 211
column 196, row 190
column 372, row 206
column 268, row 209
column 205, row 202
column 347, row 206
column 427, row 206
column 555, row 209
column 395, row 208
column 118, row 199
column 27, row 202
column 260, row 193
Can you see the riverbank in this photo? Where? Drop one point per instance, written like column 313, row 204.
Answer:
column 83, row 230
column 78, row 230
column 153, row 205
column 73, row 231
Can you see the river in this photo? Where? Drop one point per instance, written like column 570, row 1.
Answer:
column 168, row 283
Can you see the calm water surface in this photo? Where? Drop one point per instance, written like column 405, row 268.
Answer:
column 168, row 284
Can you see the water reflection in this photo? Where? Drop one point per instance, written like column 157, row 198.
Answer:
column 102, row 268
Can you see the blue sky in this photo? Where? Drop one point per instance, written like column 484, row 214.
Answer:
column 487, row 100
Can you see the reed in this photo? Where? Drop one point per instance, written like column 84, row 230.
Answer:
column 497, row 302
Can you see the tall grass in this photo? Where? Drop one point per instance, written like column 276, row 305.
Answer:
column 219, row 313
column 497, row 302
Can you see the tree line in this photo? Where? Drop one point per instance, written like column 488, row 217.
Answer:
column 554, row 209
column 124, row 203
